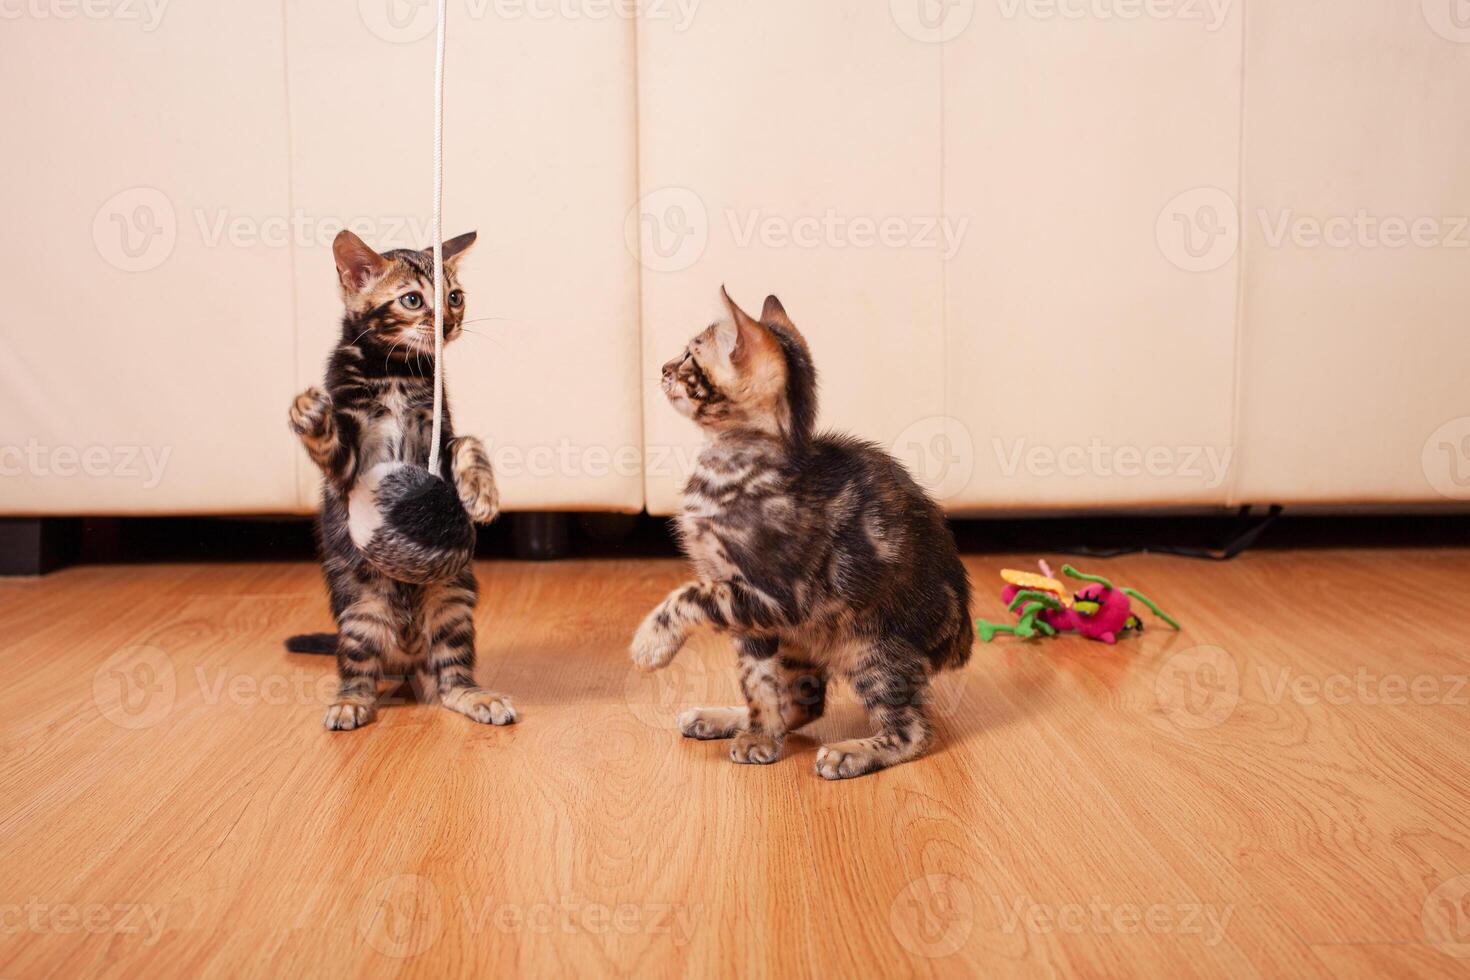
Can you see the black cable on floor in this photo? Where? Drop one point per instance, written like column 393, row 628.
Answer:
column 1242, row 536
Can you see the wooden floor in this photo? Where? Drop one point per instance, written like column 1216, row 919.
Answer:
column 1281, row 789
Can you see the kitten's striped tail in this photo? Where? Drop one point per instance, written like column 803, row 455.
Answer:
column 312, row 643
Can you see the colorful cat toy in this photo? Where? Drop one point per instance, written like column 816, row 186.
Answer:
column 1099, row 610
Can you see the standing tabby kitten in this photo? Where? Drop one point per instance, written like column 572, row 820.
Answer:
column 378, row 407
column 819, row 555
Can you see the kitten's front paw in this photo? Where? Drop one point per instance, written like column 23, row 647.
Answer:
column 844, row 760
column 476, row 480
column 708, row 723
column 757, row 750
column 311, row 414
column 656, row 642
column 478, row 704
column 344, row 716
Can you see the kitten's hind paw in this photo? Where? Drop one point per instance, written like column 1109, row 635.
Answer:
column 757, row 750
column 656, row 642
column 344, row 716
column 478, row 704
column 710, row 723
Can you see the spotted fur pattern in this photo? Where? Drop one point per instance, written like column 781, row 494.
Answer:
column 376, row 407
column 817, row 554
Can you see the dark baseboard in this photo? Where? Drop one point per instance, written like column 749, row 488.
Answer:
column 37, row 545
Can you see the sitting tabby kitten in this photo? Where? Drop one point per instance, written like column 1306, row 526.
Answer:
column 818, row 554
column 378, row 407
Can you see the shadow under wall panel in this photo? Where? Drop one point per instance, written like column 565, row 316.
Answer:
column 792, row 148
column 540, row 160
column 147, row 347
column 1090, row 312
column 1355, row 380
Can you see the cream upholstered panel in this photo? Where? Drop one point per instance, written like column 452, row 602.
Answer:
column 1355, row 379
column 147, row 350
column 539, row 150
column 791, row 148
column 1089, row 343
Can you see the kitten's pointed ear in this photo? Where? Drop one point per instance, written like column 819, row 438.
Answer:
column 458, row 245
column 748, row 334
column 357, row 265
column 774, row 312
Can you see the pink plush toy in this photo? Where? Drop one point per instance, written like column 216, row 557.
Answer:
column 1099, row 611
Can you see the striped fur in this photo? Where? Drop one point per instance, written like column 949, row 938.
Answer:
column 817, row 554
column 377, row 407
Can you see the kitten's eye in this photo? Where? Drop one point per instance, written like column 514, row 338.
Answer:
column 456, row 298
column 412, row 301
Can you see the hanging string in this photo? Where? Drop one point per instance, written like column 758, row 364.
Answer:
column 438, row 217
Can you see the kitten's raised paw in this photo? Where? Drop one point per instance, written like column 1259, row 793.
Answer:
column 344, row 716
column 476, row 480
column 709, row 723
column 477, row 704
column 656, row 642
column 311, row 413
column 757, row 750
column 844, row 760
